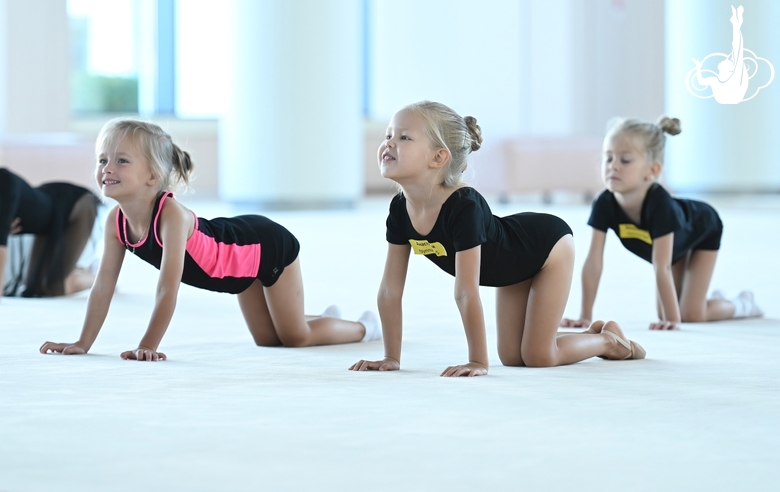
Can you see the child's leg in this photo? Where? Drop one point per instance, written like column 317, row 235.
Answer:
column 694, row 306
column 511, row 304
column 275, row 316
column 79, row 229
column 535, row 336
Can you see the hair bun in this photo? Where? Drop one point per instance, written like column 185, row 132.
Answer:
column 669, row 125
column 475, row 132
column 182, row 162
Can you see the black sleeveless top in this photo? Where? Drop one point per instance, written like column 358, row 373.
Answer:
column 514, row 248
column 222, row 255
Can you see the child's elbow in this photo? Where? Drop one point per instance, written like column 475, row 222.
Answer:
column 465, row 295
column 387, row 294
column 662, row 269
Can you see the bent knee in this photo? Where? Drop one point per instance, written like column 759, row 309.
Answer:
column 510, row 358
column 294, row 339
column 539, row 359
column 693, row 317
column 266, row 343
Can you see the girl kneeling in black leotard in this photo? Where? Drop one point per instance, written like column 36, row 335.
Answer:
column 248, row 255
column 679, row 237
column 61, row 217
column 528, row 257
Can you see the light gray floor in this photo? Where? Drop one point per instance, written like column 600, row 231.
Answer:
column 701, row 413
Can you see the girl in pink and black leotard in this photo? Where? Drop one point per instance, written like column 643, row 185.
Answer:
column 249, row 255
column 222, row 254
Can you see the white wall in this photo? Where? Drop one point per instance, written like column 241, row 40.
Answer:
column 34, row 66
column 457, row 52
column 536, row 67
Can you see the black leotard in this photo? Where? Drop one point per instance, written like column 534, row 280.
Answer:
column 514, row 248
column 43, row 211
column 695, row 224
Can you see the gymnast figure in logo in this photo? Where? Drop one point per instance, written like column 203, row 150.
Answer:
column 731, row 84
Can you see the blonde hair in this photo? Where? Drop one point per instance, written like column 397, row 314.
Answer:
column 448, row 130
column 650, row 135
column 171, row 165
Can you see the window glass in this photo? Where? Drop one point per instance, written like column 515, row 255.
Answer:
column 104, row 55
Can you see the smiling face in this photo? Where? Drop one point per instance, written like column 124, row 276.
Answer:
column 406, row 151
column 122, row 170
column 625, row 166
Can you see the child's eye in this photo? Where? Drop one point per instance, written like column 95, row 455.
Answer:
column 404, row 137
column 122, row 161
column 102, row 162
column 388, row 137
column 625, row 161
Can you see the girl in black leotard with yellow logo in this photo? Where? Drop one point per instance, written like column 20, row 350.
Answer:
column 679, row 237
column 528, row 257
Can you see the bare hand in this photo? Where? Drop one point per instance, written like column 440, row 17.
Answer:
column 386, row 364
column 575, row 323
column 665, row 325
column 470, row 369
column 62, row 348
column 16, row 226
column 143, row 354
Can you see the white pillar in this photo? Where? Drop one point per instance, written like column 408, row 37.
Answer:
column 34, row 66
column 722, row 147
column 292, row 134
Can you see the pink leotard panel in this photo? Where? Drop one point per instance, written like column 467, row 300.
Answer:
column 220, row 260
column 216, row 259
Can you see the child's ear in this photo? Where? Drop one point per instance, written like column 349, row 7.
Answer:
column 655, row 169
column 440, row 158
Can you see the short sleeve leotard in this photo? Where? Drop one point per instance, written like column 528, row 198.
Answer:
column 514, row 248
column 43, row 211
column 696, row 225
column 223, row 254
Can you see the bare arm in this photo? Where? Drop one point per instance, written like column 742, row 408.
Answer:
column 467, row 265
column 591, row 276
column 591, row 273
column 99, row 297
column 389, row 302
column 667, row 292
column 174, row 229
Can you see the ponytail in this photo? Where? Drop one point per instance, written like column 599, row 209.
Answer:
column 182, row 165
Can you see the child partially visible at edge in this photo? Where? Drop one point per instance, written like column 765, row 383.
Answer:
column 679, row 237
column 249, row 255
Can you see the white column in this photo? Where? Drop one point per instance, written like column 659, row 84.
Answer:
column 722, row 147
column 34, row 66
column 292, row 134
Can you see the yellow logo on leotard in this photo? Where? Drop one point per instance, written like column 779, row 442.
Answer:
column 426, row 248
column 630, row 231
